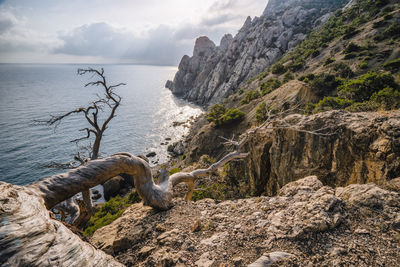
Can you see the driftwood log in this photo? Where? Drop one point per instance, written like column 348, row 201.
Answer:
column 31, row 236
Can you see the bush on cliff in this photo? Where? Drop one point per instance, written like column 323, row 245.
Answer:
column 362, row 88
column 216, row 113
column 251, row 95
column 110, row 211
column 269, row 86
column 278, row 69
column 221, row 116
column 369, row 92
column 324, row 84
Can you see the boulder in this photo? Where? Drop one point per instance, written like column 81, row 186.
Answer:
column 113, row 187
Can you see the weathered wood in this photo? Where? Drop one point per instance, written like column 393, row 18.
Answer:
column 30, row 237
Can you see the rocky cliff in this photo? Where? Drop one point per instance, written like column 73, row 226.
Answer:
column 308, row 224
column 214, row 72
column 365, row 147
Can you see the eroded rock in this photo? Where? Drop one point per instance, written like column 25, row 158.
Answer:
column 310, row 222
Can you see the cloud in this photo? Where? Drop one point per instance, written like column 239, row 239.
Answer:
column 163, row 45
column 7, row 21
column 15, row 36
column 156, row 46
column 160, row 44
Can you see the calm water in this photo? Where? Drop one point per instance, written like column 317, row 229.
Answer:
column 30, row 92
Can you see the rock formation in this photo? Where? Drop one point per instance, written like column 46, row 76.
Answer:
column 308, row 224
column 365, row 148
column 215, row 72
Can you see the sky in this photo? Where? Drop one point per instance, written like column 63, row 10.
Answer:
column 154, row 32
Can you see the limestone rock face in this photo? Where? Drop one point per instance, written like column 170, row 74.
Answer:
column 215, row 72
column 364, row 148
column 307, row 224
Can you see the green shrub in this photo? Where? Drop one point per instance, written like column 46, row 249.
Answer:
column 110, row 211
column 364, row 65
column 388, row 9
column 296, row 65
column 220, row 116
column 362, row 88
column 216, row 191
column 261, row 113
column 329, row 103
column 343, row 70
column 349, row 32
column 324, row 84
column 315, row 53
column 379, row 23
column 310, row 107
column 392, row 65
column 278, row 69
column 363, row 106
column 251, row 95
column 263, row 75
column 387, row 98
column 352, row 47
column 329, row 61
column 233, row 115
column 207, row 160
column 241, row 91
column 288, row 77
column 351, row 55
column 174, row 170
column 388, row 17
column 269, row 85
column 216, row 113
column 307, row 78
column 393, row 31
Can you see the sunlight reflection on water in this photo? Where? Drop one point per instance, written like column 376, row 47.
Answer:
column 144, row 119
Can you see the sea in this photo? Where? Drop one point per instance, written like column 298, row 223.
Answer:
column 33, row 92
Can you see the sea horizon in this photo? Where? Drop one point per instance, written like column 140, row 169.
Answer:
column 34, row 91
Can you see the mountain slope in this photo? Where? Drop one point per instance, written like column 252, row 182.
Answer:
column 215, row 72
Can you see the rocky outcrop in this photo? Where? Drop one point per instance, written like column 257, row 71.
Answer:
column 365, row 147
column 307, row 224
column 214, row 72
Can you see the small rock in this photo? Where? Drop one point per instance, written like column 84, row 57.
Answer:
column 361, row 231
column 337, row 251
column 95, row 191
column 237, row 262
column 160, row 228
column 168, row 237
column 96, row 196
column 196, row 226
column 151, row 154
column 204, row 260
column 270, row 258
column 168, row 139
column 145, row 251
column 215, row 239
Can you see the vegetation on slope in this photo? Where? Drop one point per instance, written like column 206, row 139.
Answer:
column 110, row 211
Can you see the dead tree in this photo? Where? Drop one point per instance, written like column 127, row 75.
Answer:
column 96, row 128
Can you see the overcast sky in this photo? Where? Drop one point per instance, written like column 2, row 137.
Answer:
column 115, row 31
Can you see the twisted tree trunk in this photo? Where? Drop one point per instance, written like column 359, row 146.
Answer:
column 29, row 236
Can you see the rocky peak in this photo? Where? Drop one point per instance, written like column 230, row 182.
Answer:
column 226, row 41
column 212, row 73
column 203, row 47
